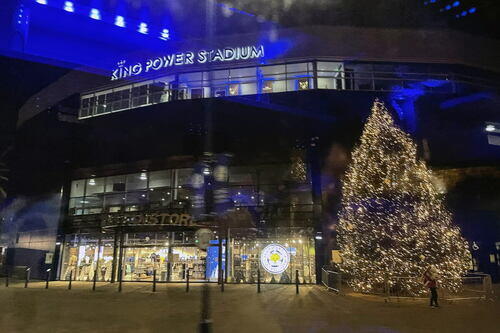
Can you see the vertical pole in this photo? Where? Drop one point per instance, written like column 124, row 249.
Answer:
column 187, row 280
column 120, row 263
column 222, row 282
column 94, row 280
column 115, row 254
column 219, row 257
column 297, row 281
column 47, row 279
column 258, row 280
column 70, row 279
column 205, row 321
column 27, row 280
column 6, row 277
column 154, row 280
column 226, row 256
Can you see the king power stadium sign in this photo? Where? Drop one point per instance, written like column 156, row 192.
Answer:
column 187, row 58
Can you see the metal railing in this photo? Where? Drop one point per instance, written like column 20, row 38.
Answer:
column 473, row 286
column 331, row 280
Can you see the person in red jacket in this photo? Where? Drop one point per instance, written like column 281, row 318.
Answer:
column 430, row 281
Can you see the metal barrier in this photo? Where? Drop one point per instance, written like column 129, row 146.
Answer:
column 331, row 280
column 474, row 286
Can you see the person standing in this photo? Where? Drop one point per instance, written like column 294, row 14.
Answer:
column 430, row 281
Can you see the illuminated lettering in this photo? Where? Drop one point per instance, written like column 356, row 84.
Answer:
column 188, row 58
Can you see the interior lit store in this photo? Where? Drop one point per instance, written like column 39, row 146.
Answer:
column 170, row 256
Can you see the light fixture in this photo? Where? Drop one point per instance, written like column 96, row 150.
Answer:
column 95, row 14
column 120, row 21
column 69, row 7
column 143, row 176
column 92, row 182
column 490, row 128
column 143, row 28
column 42, row 2
column 165, row 34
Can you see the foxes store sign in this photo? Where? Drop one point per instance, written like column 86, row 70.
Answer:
column 150, row 219
column 187, row 58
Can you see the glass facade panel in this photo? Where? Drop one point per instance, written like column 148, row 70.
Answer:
column 161, row 178
column 95, row 185
column 137, row 181
column 116, row 183
column 77, row 188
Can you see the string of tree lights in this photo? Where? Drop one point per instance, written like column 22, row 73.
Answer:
column 393, row 222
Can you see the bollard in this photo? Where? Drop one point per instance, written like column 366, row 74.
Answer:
column 70, row 280
column 205, row 321
column 120, row 273
column 222, row 282
column 187, row 280
column 154, row 280
column 94, row 280
column 7, row 278
column 27, row 280
column 47, row 279
column 297, row 281
column 184, row 271
column 258, row 280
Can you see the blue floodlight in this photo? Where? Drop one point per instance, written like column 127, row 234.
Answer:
column 456, row 4
column 472, row 10
column 165, row 34
column 69, row 7
column 143, row 28
column 120, row 21
column 464, row 13
column 432, row 1
column 448, row 7
column 95, row 14
column 42, row 2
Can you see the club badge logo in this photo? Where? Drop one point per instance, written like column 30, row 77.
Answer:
column 275, row 258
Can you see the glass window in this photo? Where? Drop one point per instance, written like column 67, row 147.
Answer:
column 139, row 95
column 95, row 185
column 299, row 76
column 183, row 176
column 77, row 188
column 161, row 178
column 160, row 197
column 114, row 203
column 243, row 81
column 93, row 204
column 330, row 75
column 242, row 175
column 156, row 91
column 273, row 174
column 273, row 78
column 135, row 201
column 101, row 104
column 115, row 184
column 243, row 195
column 76, row 206
column 137, row 181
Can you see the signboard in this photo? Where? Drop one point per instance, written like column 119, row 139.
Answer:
column 49, row 256
column 173, row 219
column 226, row 54
column 275, row 258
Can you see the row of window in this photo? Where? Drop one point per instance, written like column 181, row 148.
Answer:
column 247, row 186
column 271, row 79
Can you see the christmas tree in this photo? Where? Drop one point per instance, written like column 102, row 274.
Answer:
column 393, row 222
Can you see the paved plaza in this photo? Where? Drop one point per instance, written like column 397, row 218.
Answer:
column 239, row 309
